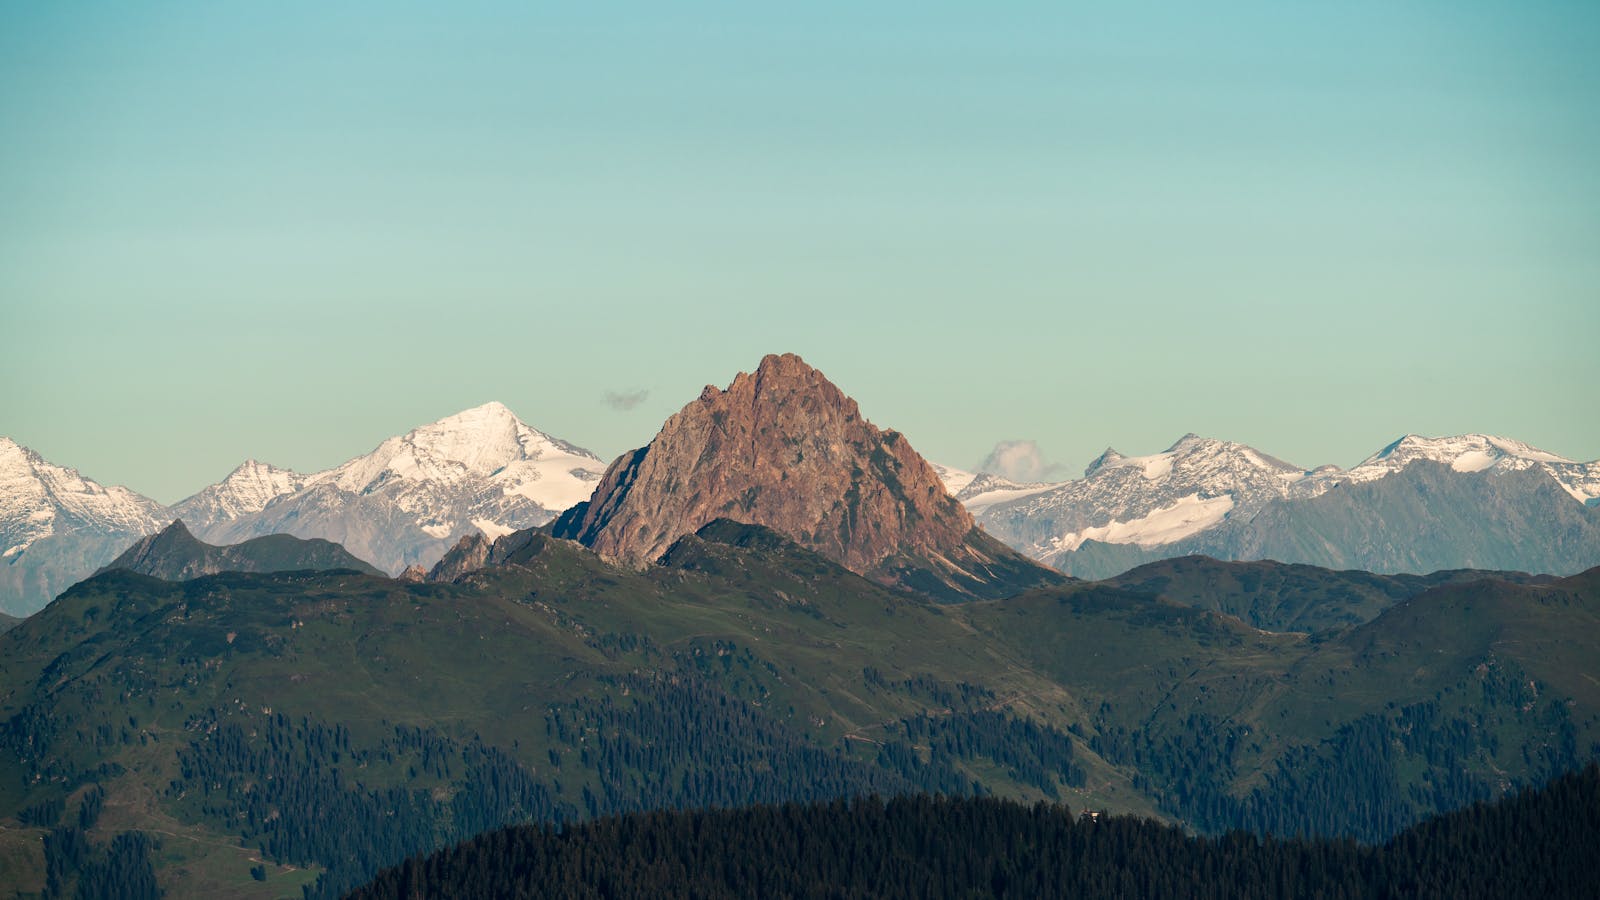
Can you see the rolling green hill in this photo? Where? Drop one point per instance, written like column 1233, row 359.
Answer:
column 314, row 727
column 173, row 554
column 1290, row 597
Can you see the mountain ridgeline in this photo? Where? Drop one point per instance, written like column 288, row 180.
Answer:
column 173, row 554
column 1419, row 505
column 1291, row 597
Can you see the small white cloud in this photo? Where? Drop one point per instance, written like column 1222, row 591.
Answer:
column 1019, row 461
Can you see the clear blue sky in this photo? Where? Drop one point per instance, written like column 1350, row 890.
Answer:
column 280, row 231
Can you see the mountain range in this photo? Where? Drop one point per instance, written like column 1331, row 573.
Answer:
column 405, row 503
column 721, row 624
column 1418, row 505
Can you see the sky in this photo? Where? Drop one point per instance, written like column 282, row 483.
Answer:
column 287, row 231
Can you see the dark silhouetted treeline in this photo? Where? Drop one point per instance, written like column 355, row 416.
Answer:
column 1540, row 843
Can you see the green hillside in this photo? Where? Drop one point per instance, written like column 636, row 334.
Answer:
column 298, row 726
column 174, row 554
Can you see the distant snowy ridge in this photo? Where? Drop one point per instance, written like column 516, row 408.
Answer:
column 1198, row 483
column 1477, row 453
column 39, row 499
column 247, row 489
column 482, row 469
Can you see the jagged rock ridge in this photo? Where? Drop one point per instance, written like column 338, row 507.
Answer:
column 783, row 447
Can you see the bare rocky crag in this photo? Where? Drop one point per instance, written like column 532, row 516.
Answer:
column 786, row 449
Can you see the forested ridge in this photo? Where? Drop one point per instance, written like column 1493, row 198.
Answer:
column 1538, row 843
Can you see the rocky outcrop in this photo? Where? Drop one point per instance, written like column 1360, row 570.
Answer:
column 475, row 551
column 786, row 449
column 468, row 555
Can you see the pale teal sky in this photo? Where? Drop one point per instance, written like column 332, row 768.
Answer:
column 272, row 230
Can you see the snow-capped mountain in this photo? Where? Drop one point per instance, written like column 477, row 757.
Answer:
column 1144, row 500
column 57, row 526
column 405, row 502
column 38, row 499
column 247, row 490
column 1477, row 453
column 1205, row 492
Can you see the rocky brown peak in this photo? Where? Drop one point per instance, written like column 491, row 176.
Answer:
column 475, row 551
column 468, row 555
column 780, row 447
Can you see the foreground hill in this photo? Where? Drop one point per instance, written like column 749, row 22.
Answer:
column 921, row 847
column 316, row 727
column 173, row 554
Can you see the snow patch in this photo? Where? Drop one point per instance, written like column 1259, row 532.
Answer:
column 977, row 503
column 491, row 529
column 954, row 479
column 1156, row 467
column 1473, row 461
column 1188, row 516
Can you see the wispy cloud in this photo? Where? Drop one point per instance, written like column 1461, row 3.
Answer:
column 625, row 400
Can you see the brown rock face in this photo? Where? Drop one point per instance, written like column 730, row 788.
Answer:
column 468, row 555
column 474, row 552
column 786, row 449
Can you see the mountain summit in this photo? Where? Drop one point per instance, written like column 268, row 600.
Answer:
column 786, row 449
column 56, row 526
column 482, row 469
